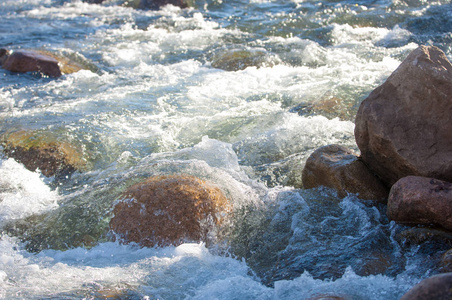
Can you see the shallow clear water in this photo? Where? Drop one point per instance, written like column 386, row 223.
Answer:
column 153, row 101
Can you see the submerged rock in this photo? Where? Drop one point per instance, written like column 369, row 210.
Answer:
column 438, row 287
column 327, row 297
column 421, row 200
column 148, row 4
column 337, row 167
column 446, row 262
column 156, row 4
column 47, row 63
column 170, row 210
column 376, row 262
column 240, row 59
column 330, row 107
column 44, row 152
column 425, row 234
column 404, row 127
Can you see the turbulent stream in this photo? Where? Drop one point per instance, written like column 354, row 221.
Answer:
column 157, row 98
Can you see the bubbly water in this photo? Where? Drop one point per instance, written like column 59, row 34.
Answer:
column 153, row 102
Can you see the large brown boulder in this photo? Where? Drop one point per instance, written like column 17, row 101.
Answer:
column 438, row 287
column 47, row 63
column 169, row 210
column 404, row 127
column 44, row 152
column 337, row 167
column 421, row 200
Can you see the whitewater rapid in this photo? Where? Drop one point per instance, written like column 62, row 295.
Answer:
column 151, row 102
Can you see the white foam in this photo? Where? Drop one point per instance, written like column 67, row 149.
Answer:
column 237, row 186
column 215, row 153
column 23, row 193
column 6, row 103
column 345, row 34
column 29, row 2
column 350, row 285
column 134, row 45
column 164, row 272
column 188, row 271
column 234, row 287
column 292, row 134
column 79, row 9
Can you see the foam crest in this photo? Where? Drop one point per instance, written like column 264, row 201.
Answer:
column 20, row 4
column 33, row 276
column 293, row 134
column 236, row 185
column 23, row 193
column 81, row 11
column 215, row 153
column 347, row 35
column 350, row 285
column 188, row 271
column 174, row 33
column 234, row 287
column 113, row 269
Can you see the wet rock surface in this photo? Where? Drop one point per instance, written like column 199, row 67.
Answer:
column 156, row 4
column 240, row 59
column 44, row 152
column 45, row 62
column 30, row 61
column 339, row 168
column 419, row 235
column 170, row 210
column 421, row 200
column 436, row 287
column 446, row 262
column 328, row 106
column 404, row 127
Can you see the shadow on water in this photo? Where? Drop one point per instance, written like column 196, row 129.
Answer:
column 314, row 231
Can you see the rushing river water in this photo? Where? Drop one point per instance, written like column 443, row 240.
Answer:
column 155, row 101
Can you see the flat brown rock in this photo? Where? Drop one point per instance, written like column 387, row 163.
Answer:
column 45, row 62
column 30, row 61
column 421, row 200
column 337, row 167
column 169, row 210
column 404, row 127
